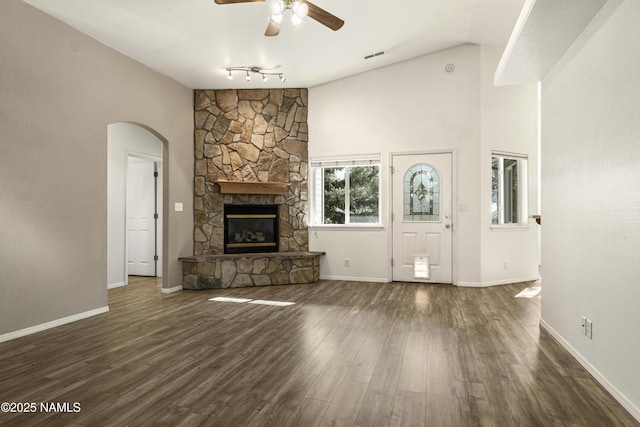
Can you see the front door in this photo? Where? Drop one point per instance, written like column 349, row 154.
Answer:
column 422, row 222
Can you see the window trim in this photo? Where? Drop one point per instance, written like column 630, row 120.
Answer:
column 347, row 161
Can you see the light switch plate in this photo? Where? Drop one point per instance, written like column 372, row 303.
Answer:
column 179, row 207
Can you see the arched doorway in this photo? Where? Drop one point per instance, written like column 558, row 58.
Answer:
column 134, row 235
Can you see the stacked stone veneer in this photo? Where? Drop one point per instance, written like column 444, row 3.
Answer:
column 251, row 136
column 242, row 270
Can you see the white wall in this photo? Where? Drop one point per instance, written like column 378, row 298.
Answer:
column 411, row 106
column 509, row 124
column 591, row 202
column 124, row 139
column 417, row 106
column 59, row 90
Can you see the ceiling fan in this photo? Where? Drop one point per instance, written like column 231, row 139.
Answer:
column 298, row 10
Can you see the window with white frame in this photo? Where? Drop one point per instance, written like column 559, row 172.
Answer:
column 508, row 189
column 346, row 190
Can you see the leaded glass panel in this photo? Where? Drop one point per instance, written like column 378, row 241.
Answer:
column 421, row 194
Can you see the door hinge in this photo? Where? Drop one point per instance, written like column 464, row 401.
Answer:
column 155, row 216
column 393, row 216
column 155, row 174
column 391, row 262
column 155, row 257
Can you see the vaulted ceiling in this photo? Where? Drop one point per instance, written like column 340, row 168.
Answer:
column 194, row 41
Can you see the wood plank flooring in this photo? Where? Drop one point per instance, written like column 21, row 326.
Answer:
column 345, row 354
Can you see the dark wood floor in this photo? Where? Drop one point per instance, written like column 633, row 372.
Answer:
column 345, row 354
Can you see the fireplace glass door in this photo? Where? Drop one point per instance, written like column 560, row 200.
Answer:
column 250, row 228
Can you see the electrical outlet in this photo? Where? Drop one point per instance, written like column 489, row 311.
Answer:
column 584, row 325
column 347, row 262
column 589, row 329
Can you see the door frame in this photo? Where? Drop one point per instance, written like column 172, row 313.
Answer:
column 454, row 204
column 159, row 208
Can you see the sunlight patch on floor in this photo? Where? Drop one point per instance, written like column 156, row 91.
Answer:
column 532, row 292
column 252, row 301
column 265, row 302
column 228, row 299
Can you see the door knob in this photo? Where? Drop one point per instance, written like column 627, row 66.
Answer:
column 448, row 226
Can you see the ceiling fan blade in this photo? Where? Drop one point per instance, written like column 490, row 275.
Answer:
column 272, row 29
column 236, row 1
column 323, row 17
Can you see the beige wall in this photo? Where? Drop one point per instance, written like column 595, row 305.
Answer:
column 59, row 89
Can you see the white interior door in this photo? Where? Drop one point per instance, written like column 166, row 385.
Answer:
column 422, row 222
column 140, row 217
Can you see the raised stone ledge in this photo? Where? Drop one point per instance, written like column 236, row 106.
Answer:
column 244, row 270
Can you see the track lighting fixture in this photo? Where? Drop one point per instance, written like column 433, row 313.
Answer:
column 254, row 70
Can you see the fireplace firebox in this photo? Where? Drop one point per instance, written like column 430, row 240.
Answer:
column 250, row 228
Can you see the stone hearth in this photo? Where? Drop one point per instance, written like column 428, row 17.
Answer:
column 243, row 270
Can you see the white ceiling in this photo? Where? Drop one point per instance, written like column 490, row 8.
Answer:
column 194, row 41
column 544, row 32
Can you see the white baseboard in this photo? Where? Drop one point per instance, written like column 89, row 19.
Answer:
column 171, row 290
column 115, row 285
column 59, row 322
column 497, row 282
column 356, row 279
column 621, row 398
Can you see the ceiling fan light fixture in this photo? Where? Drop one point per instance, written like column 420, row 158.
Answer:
column 296, row 20
column 276, row 7
column 300, row 9
column 276, row 19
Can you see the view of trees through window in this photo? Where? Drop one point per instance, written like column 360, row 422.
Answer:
column 507, row 191
column 334, row 195
column 351, row 194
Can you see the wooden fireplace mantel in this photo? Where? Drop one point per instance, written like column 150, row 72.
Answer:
column 246, row 187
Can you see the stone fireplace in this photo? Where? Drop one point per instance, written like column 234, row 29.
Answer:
column 251, row 137
column 250, row 152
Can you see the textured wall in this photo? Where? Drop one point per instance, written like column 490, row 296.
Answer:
column 590, row 202
column 250, row 136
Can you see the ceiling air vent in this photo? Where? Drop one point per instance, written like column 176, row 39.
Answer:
column 373, row 55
